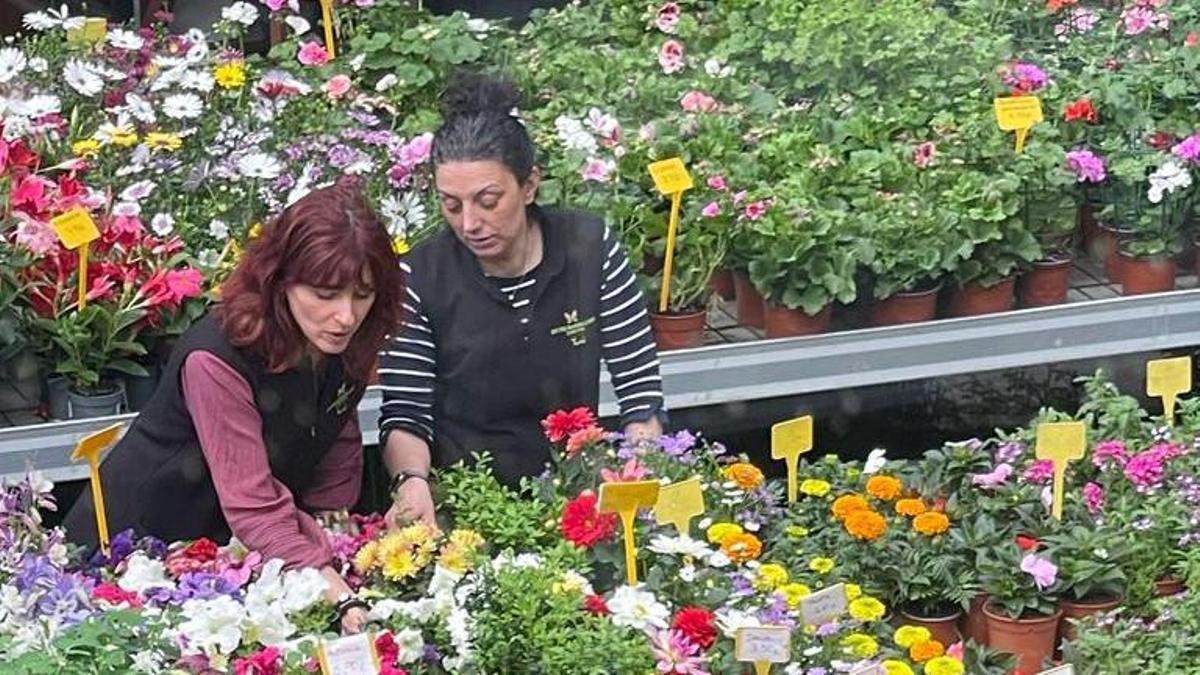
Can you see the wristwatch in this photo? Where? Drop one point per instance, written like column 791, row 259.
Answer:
column 347, row 602
column 402, row 476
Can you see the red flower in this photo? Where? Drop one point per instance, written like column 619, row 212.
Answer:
column 595, row 604
column 583, row 525
column 1192, row 39
column 1081, row 109
column 388, row 651
column 1161, row 140
column 115, row 595
column 1056, row 5
column 697, row 624
column 1026, row 542
column 560, row 424
column 267, row 661
column 203, row 550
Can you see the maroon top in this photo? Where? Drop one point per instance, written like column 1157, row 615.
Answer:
column 260, row 510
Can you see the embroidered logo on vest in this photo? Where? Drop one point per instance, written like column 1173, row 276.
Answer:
column 342, row 401
column 574, row 328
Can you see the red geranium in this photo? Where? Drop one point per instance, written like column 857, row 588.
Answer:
column 1161, row 140
column 697, row 624
column 1081, row 109
column 583, row 524
column 202, row 550
column 1026, row 542
column 560, row 424
column 595, row 604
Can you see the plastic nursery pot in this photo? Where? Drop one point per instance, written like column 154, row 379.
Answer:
column 1150, row 274
column 1169, row 586
column 750, row 305
column 1046, row 283
column 905, row 307
column 678, row 330
column 973, row 625
column 973, row 299
column 1031, row 640
column 103, row 404
column 1078, row 609
column 785, row 322
column 944, row 629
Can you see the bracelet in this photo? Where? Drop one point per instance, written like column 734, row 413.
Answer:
column 402, row 476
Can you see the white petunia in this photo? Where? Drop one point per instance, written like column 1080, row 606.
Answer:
column 357, row 62
column 183, row 106
column 82, row 78
column 218, row 229
column 259, row 165
column 638, row 609
column 269, row 625
column 300, row 26
column 125, row 39
column 209, row 258
column 411, row 645
column 302, row 589
column 386, row 82
column 163, row 224
column 142, row 574
column 212, row 626
column 240, row 12
column 12, row 62
column 138, row 191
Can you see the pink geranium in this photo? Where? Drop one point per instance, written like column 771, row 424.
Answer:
column 598, row 170
column 1188, row 148
column 717, row 182
column 698, row 101
column 667, row 18
column 313, row 54
column 670, row 57
column 1087, row 165
column 711, row 210
column 417, row 150
column 925, row 153
column 337, row 86
column 756, row 210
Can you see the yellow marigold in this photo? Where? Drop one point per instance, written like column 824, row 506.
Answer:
column 717, row 533
column 822, row 565
column 944, row 665
column 741, row 547
column 926, row 650
column 157, row 140
column 366, row 557
column 866, row 525
column 886, row 488
column 771, row 576
column 910, row 507
column 931, row 523
column 894, row 667
column 744, row 475
column 231, row 74
column 853, row 592
column 815, row 487
column 88, row 147
column 907, row 636
column 797, row 531
column 793, row 593
column 847, row 504
column 867, row 609
column 860, row 645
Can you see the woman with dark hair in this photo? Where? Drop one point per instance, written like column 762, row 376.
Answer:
column 508, row 312
column 254, row 424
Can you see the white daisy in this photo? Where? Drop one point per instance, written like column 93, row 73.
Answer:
column 39, row 21
column 48, row 19
column 39, row 105
column 38, row 64
column 259, row 165
column 12, row 62
column 82, row 78
column 138, row 191
column 108, row 130
column 162, row 224
column 240, row 12
column 138, row 108
column 183, row 106
column 201, row 81
column 218, row 229
column 125, row 39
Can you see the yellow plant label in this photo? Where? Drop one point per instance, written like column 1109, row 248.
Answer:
column 789, row 440
column 89, row 447
column 75, row 228
column 670, row 176
column 625, row 499
column 93, row 32
column 769, row 644
column 873, row 669
column 678, row 503
column 1061, row 443
column 1168, row 378
column 350, row 655
column 824, row 606
column 1018, row 112
column 1067, row 669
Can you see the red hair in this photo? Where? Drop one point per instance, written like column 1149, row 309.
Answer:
column 326, row 239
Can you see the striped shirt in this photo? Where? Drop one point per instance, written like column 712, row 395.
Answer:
column 408, row 364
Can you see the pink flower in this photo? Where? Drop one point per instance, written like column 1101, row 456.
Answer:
column 1145, row 469
column 1039, row 472
column 416, row 151
column 1109, row 453
column 36, row 236
column 583, row 438
column 756, row 210
column 1087, row 165
column 739, row 196
column 1024, row 78
column 598, row 170
column 698, row 101
column 711, row 210
column 717, row 182
column 607, row 127
column 1188, row 148
column 675, row 653
column 925, row 153
column 1140, row 18
column 29, row 195
column 1044, row 572
column 267, row 661
column 631, row 470
column 337, row 86
column 313, row 54
column 955, row 651
column 670, row 57
column 1093, row 496
column 1190, row 41
column 994, row 478
column 275, row 5
column 667, row 19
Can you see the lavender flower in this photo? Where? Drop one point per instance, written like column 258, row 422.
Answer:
column 1087, row 165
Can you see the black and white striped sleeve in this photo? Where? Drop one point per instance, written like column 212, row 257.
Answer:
column 407, row 369
column 625, row 339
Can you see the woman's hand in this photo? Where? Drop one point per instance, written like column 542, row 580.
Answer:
column 413, row 500
column 640, row 431
column 354, row 621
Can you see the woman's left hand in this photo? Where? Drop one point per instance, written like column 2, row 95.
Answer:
column 354, row 620
column 638, row 431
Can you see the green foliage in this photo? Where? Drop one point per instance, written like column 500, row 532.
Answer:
column 104, row 644
column 506, row 518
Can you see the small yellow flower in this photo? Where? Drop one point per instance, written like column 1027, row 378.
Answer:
column 860, row 645
column 400, row 565
column 466, row 538
column 793, row 593
column 255, row 231
column 867, row 609
column 720, row 531
column 822, row 565
column 157, row 140
column 366, row 557
column 944, row 665
column 88, row 147
column 797, row 531
column 814, row 487
column 853, row 592
column 231, row 74
column 570, row 582
column 771, row 576
column 400, row 245
column 907, row 636
column 894, row 667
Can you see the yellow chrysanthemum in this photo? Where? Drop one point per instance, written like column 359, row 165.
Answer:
column 718, row 532
column 466, row 538
column 822, row 565
column 366, row 557
column 931, row 523
column 741, row 548
column 886, row 488
column 797, row 531
column 944, row 665
column 771, row 576
column 88, row 147
column 907, row 636
column 846, row 504
column 815, row 487
column 853, row 592
column 894, row 667
column 231, row 74
column 400, row 245
column 925, row 650
column 399, row 565
column 867, row 609
column 860, row 645
column 570, row 582
column 910, row 507
column 793, row 593
column 160, row 141
column 744, row 475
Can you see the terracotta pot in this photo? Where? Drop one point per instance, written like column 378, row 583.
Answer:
column 905, row 307
column 1079, row 609
column 1169, row 586
column 784, row 322
column 1031, row 640
column 722, row 283
column 1087, row 224
column 1047, row 283
column 1104, row 248
column 750, row 304
column 973, row 624
column 944, row 629
column 678, row 330
column 1147, row 275
column 973, row 299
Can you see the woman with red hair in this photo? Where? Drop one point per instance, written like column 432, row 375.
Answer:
column 254, row 425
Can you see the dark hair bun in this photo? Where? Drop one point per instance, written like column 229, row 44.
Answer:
column 475, row 93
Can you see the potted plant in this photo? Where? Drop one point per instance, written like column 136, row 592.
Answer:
column 1022, row 610
column 1090, row 556
column 936, row 579
column 1049, row 212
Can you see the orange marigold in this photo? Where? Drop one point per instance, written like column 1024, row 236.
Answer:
column 744, row 475
column 910, row 507
column 925, row 650
column 866, row 524
column 741, row 547
column 886, row 488
column 931, row 523
column 847, row 504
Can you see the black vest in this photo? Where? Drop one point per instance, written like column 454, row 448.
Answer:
column 497, row 377
column 156, row 480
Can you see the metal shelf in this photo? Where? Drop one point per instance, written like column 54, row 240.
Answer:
column 750, row 371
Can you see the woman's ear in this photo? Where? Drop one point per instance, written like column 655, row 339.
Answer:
column 530, row 187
